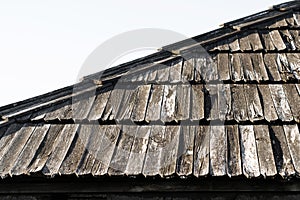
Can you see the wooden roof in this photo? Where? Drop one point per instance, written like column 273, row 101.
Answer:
column 233, row 111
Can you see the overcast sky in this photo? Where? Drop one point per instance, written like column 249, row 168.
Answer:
column 43, row 44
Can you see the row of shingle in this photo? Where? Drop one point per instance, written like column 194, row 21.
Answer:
column 184, row 150
column 263, row 40
column 234, row 67
column 173, row 103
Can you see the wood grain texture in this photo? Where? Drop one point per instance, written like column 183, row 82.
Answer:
column 254, row 108
column 267, row 41
column 113, row 104
column 294, row 64
column 234, row 167
column 169, row 151
column 89, row 157
column 239, row 105
column 264, row 151
column 106, row 149
column 211, row 111
column 281, row 152
column 271, row 66
column 293, row 98
column 224, row 102
column 127, row 104
column 254, row 41
column 122, row 150
column 259, row 69
column 246, row 65
column 218, row 151
column 76, row 150
column 46, row 148
column 155, row 102
column 140, row 104
column 29, row 150
column 234, row 44
column 188, row 70
column 162, row 75
column 281, row 103
column 293, row 140
column 201, row 151
column 249, row 152
column 138, row 151
column 268, row 106
column 244, row 43
column 168, row 108
column 236, row 69
column 277, row 40
column 186, row 151
column 197, row 102
column 14, row 148
column 154, row 151
column 99, row 105
column 81, row 105
column 183, row 102
column 58, row 154
column 175, row 72
column 223, row 66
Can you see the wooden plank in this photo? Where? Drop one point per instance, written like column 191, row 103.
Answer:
column 29, row 150
column 126, row 106
column 223, row 66
column 82, row 107
column 281, row 103
column 106, row 149
column 186, row 151
column 7, row 138
column 254, row 41
column 138, row 151
column 281, row 152
column 182, row 102
column 249, row 152
column 99, row 105
column 152, row 75
column 277, row 40
column 175, row 71
column 200, row 64
column 246, row 66
column 234, row 167
column 141, row 102
column 293, row 140
column 271, row 66
column 239, row 105
column 218, row 151
column 76, row 150
column 58, row 154
column 288, row 39
column 112, row 105
column 269, row 109
column 197, row 102
column 284, row 67
column 294, row 64
column 162, row 75
column 168, row 103
column 210, row 71
column 63, row 111
column 254, row 108
column 89, row 157
column 259, row 69
column 155, row 147
column 244, row 43
column 122, row 150
column 15, row 147
column 169, row 152
column 234, row 44
column 45, row 149
column 154, row 105
column 264, row 151
column 267, row 41
column 224, row 102
column 201, row 151
column 296, row 38
column 293, row 98
column 236, row 69
column 188, row 70
column 211, row 111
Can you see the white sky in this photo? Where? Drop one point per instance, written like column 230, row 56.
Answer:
column 43, row 44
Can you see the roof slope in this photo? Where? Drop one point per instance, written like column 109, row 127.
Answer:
column 232, row 111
